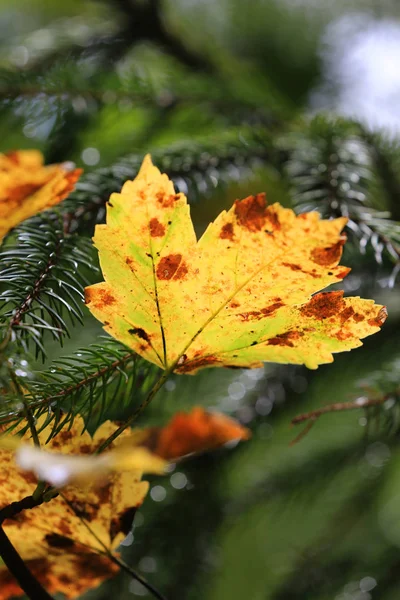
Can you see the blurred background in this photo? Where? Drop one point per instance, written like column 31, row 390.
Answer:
column 298, row 98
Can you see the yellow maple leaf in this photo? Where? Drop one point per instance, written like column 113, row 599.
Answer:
column 54, row 538
column 28, row 187
column 62, row 541
column 239, row 296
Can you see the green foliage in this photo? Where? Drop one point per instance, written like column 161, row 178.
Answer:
column 42, row 278
column 100, row 382
column 333, row 167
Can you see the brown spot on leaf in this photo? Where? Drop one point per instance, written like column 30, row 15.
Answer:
column 343, row 273
column 66, row 579
column 323, row 305
column 272, row 308
column 182, row 271
column 99, row 297
column 157, row 229
column 260, row 314
column 167, row 200
column 168, row 266
column 379, row 320
column 292, row 266
column 104, row 494
column 65, row 436
column 251, row 212
column 226, row 232
column 140, row 333
column 64, row 528
column 346, row 314
column 358, row 317
column 343, row 335
column 234, row 304
column 197, row 363
column 328, row 256
column 285, row 339
column 58, row 541
column 251, row 315
column 85, row 449
column 273, row 218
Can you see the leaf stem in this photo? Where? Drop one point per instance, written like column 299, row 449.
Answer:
column 122, row 564
column 157, row 386
column 118, row 561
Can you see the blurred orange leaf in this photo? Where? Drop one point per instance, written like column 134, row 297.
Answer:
column 28, row 187
column 191, row 432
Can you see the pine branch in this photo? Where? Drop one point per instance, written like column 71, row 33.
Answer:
column 41, row 281
column 99, row 382
column 386, row 159
column 63, row 38
column 75, row 83
column 67, row 83
column 330, row 168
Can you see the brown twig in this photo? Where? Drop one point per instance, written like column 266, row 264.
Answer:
column 27, row 582
column 9, row 511
column 313, row 415
column 17, row 567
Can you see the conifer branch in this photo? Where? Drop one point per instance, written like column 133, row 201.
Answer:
column 331, row 169
column 39, row 272
column 101, row 378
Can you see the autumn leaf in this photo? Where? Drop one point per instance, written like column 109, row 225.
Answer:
column 191, row 432
column 28, row 187
column 54, row 538
column 240, row 295
column 62, row 541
